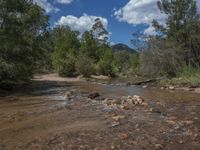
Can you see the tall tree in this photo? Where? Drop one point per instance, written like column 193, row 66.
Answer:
column 66, row 46
column 22, row 23
column 90, row 47
column 183, row 26
column 99, row 31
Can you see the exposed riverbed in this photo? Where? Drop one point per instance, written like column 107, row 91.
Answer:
column 41, row 116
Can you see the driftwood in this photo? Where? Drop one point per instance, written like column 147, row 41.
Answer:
column 145, row 81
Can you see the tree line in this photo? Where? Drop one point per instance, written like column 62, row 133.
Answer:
column 29, row 46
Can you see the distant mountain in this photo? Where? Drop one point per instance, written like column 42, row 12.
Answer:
column 122, row 47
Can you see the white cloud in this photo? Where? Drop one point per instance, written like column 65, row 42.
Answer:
column 137, row 12
column 81, row 24
column 48, row 7
column 64, row 1
column 140, row 12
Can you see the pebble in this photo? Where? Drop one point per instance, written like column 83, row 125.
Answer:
column 159, row 146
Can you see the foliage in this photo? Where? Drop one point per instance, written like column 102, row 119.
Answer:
column 177, row 43
column 161, row 58
column 90, row 47
column 183, row 27
column 22, row 23
column 104, row 66
column 84, row 65
column 66, row 45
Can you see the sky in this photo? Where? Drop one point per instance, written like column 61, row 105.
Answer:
column 120, row 17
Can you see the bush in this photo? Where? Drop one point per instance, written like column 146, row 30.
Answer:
column 67, row 69
column 84, row 66
column 161, row 58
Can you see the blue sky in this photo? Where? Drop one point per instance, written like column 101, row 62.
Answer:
column 120, row 17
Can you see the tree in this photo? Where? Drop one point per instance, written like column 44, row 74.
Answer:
column 99, row 32
column 161, row 57
column 90, row 47
column 66, row 46
column 183, row 26
column 22, row 23
column 84, row 65
column 105, row 64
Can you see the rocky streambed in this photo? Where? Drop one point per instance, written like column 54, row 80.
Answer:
column 58, row 113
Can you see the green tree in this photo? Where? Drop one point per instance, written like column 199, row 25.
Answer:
column 183, row 26
column 90, row 47
column 84, row 65
column 66, row 46
column 22, row 23
column 105, row 64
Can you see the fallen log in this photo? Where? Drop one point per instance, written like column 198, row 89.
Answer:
column 145, row 81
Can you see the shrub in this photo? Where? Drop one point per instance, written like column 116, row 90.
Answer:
column 84, row 66
column 161, row 58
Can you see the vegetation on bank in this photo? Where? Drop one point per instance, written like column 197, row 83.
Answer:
column 29, row 46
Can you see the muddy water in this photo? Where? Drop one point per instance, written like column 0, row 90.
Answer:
column 43, row 111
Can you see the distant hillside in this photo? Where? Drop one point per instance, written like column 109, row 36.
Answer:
column 122, row 47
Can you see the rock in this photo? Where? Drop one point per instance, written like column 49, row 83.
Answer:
column 128, row 83
column 189, row 122
column 123, row 136
column 114, row 124
column 68, row 95
column 195, row 136
column 132, row 100
column 93, row 95
column 171, row 88
column 181, row 142
column 117, row 118
column 162, row 88
column 124, row 106
column 144, row 104
column 144, row 87
column 112, row 101
column 171, row 122
column 159, row 146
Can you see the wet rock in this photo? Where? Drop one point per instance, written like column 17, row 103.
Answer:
column 159, row 146
column 93, row 95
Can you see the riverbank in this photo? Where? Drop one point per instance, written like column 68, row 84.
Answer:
column 57, row 113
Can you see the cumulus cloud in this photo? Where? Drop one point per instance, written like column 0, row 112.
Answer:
column 50, row 8
column 47, row 6
column 81, row 24
column 137, row 12
column 140, row 12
